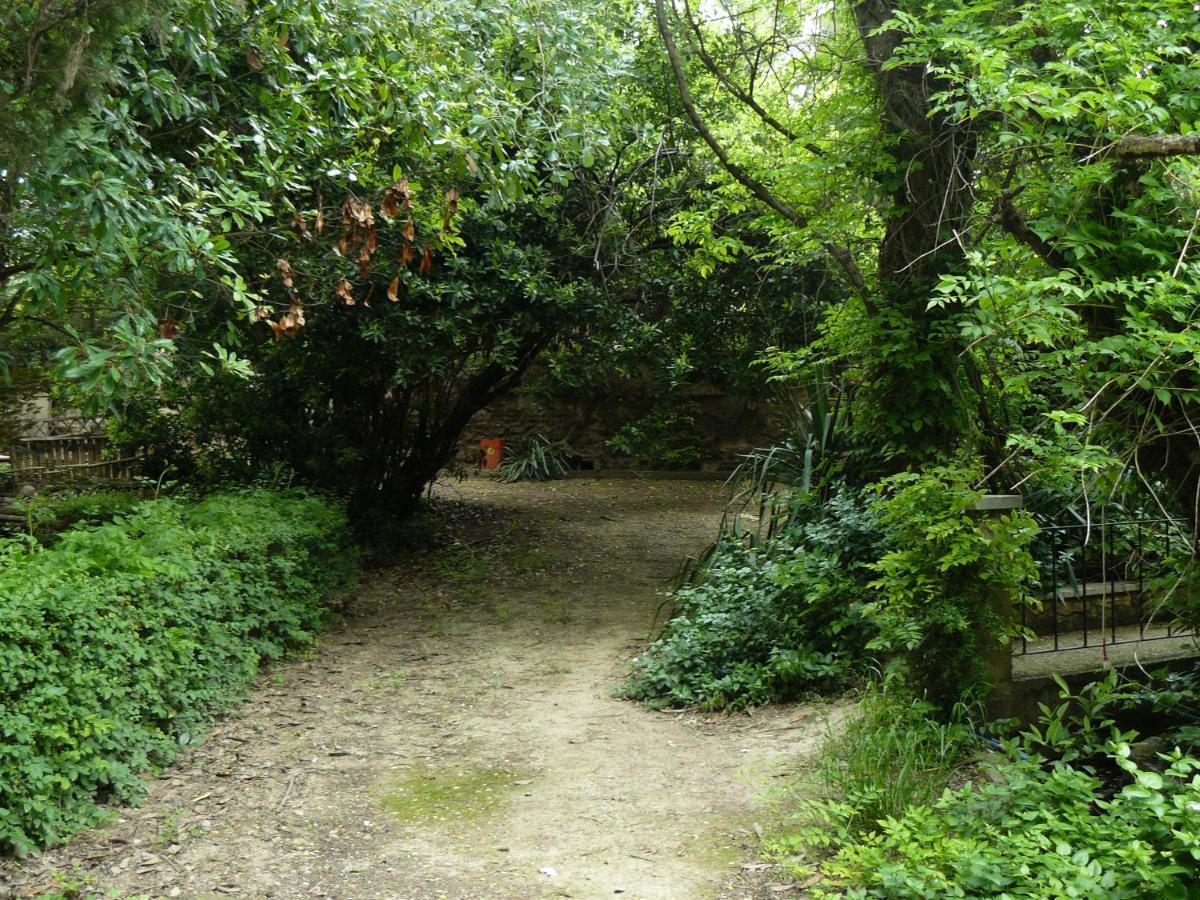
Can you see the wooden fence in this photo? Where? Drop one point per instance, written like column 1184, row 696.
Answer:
column 68, row 457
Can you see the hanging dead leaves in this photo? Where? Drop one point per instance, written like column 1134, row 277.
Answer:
column 451, row 209
column 359, row 239
column 292, row 321
column 287, row 273
column 397, row 199
column 289, row 323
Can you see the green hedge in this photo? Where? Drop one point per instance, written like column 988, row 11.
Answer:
column 118, row 643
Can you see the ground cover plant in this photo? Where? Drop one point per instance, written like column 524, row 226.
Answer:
column 768, row 622
column 1070, row 807
column 120, row 641
column 47, row 515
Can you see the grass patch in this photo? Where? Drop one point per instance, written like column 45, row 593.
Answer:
column 892, row 754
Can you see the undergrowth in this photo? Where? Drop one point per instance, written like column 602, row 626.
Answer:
column 767, row 623
column 901, row 571
column 51, row 514
column 1063, row 810
column 120, row 641
column 893, row 751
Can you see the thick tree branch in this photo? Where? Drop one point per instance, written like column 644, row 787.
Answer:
column 9, row 312
column 7, row 272
column 1138, row 146
column 1144, row 146
column 840, row 255
column 1014, row 223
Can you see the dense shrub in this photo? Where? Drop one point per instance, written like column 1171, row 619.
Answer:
column 120, row 641
column 768, row 623
column 934, row 598
column 1038, row 833
column 1063, row 811
column 50, row 514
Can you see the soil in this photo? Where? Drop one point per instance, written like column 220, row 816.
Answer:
column 457, row 736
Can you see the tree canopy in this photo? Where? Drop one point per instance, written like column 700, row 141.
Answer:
column 365, row 220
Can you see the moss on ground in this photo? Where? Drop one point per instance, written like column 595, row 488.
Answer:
column 430, row 796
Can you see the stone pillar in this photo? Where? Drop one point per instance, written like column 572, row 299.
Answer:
column 997, row 657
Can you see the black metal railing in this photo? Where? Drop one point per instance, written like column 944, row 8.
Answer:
column 1102, row 584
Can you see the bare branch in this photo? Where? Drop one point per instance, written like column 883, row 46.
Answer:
column 745, row 97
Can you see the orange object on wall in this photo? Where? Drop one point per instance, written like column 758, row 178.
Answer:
column 493, row 452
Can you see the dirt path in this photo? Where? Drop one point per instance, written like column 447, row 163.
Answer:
column 457, row 737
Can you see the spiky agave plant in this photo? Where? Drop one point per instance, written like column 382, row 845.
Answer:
column 537, row 460
column 776, row 480
column 773, row 478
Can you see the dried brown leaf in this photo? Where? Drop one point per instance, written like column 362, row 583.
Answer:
column 286, row 272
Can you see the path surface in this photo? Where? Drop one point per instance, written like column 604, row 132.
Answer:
column 457, row 737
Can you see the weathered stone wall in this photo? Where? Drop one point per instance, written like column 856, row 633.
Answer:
column 723, row 426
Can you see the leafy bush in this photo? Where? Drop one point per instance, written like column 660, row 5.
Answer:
column 770, row 623
column 1038, row 834
column 936, row 587
column 662, row 439
column 1065, row 812
column 120, row 641
column 51, row 514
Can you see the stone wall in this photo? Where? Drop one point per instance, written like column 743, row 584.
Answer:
column 722, row 426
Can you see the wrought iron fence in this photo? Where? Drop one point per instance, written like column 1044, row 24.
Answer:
column 1103, row 584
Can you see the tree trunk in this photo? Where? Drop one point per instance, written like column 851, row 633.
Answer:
column 920, row 388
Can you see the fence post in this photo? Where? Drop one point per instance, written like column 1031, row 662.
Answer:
column 997, row 656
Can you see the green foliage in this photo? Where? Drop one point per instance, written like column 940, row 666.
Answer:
column 50, row 514
column 893, row 752
column 1040, row 834
column 770, row 623
column 120, row 641
column 777, row 480
column 936, row 590
column 53, row 58
column 662, row 439
column 910, row 573
column 537, row 460
column 353, row 222
column 1084, row 821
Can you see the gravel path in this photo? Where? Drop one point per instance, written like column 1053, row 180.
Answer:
column 456, row 736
